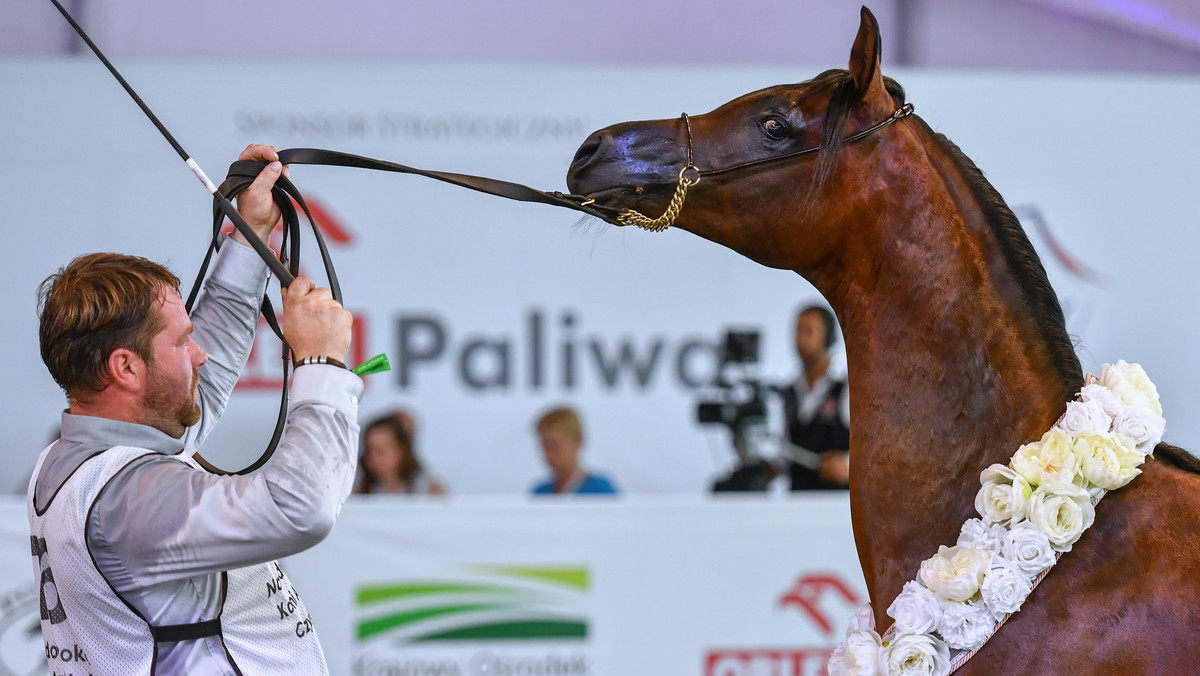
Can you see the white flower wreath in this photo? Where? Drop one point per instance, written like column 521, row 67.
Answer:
column 1031, row 512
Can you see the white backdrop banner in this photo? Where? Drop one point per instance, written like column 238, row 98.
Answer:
column 492, row 310
column 515, row 587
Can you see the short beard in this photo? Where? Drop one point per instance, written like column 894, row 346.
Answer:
column 162, row 410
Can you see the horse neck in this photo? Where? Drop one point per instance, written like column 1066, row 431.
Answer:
column 948, row 371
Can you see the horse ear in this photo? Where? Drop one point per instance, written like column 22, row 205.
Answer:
column 864, row 56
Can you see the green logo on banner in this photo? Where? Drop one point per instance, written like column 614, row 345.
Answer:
column 496, row 603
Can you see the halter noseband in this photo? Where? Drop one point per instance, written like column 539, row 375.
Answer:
column 690, row 175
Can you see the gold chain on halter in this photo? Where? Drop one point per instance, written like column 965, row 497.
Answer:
column 631, row 217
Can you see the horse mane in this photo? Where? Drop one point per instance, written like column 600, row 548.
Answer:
column 1040, row 299
column 1178, row 457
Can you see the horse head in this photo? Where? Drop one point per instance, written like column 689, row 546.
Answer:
column 740, row 155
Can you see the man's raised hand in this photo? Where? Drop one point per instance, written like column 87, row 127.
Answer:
column 255, row 203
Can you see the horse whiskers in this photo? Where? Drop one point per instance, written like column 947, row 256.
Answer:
column 585, row 222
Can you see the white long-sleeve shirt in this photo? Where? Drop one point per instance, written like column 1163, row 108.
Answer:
column 161, row 532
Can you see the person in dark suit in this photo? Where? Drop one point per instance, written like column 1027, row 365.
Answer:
column 816, row 409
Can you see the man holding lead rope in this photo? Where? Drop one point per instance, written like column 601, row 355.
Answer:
column 146, row 563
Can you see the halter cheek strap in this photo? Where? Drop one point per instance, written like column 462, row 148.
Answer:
column 690, row 175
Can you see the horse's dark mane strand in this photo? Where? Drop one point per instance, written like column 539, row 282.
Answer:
column 1042, row 302
column 841, row 103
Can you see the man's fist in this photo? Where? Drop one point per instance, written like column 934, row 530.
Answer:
column 315, row 324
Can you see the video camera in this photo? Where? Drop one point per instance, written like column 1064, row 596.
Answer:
column 741, row 406
column 740, row 403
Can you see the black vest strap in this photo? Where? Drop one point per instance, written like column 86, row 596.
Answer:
column 186, row 632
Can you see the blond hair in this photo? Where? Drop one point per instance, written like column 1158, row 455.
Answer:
column 562, row 419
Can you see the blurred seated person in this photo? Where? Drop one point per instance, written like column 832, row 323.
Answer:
column 561, row 435
column 388, row 463
column 816, row 409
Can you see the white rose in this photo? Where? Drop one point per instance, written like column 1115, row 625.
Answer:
column 916, row 655
column 1110, row 402
column 836, row 665
column 1048, row 461
column 1004, row 495
column 1108, row 461
column 979, row 535
column 1131, row 384
column 1141, row 426
column 862, row 653
column 1062, row 512
column 916, row 610
column 1005, row 587
column 1028, row 548
column 966, row 626
column 1084, row 417
column 955, row 573
column 863, row 619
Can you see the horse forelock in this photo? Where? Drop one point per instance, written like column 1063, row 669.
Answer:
column 842, row 101
column 1041, row 301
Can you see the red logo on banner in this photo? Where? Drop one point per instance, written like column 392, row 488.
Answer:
column 767, row 662
column 264, row 370
column 807, row 593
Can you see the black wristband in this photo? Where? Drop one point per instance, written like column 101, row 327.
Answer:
column 319, row 359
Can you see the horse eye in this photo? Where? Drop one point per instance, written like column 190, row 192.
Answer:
column 775, row 128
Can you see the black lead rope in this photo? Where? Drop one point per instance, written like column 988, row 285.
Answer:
column 490, row 186
column 241, row 174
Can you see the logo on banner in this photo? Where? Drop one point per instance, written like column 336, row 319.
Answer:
column 767, row 661
column 808, row 595
column 263, row 370
column 486, row 620
column 1075, row 282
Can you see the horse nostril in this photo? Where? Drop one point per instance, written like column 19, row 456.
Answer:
column 587, row 151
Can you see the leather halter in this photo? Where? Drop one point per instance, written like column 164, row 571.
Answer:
column 690, row 175
column 899, row 114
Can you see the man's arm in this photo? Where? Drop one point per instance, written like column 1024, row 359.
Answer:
column 835, row 464
column 161, row 520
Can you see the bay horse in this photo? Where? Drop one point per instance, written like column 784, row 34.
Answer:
column 956, row 344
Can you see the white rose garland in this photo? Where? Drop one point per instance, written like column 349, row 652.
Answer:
column 1028, row 548
column 978, row 535
column 966, row 626
column 915, row 655
column 1031, row 512
column 1062, row 512
column 1141, row 426
column 1005, row 587
column 916, row 610
column 1004, row 497
column 1085, row 417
